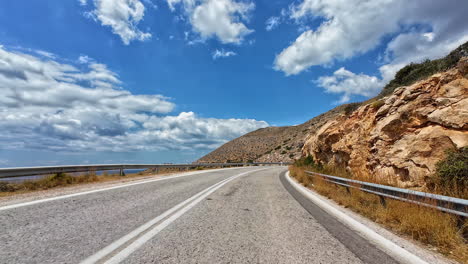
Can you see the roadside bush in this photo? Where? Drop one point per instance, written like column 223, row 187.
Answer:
column 62, row 179
column 377, row 104
column 48, row 182
column 304, row 162
column 452, row 173
column 7, row 187
column 59, row 179
column 350, row 108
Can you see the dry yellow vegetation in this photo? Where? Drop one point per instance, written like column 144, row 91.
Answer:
column 431, row 227
column 64, row 179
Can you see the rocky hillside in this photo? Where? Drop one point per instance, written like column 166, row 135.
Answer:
column 402, row 133
column 271, row 144
column 401, row 136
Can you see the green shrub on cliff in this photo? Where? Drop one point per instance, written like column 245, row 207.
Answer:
column 418, row 71
column 351, row 107
column 452, row 172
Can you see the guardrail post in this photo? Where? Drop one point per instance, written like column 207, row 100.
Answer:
column 311, row 178
column 382, row 201
column 347, row 190
column 122, row 172
column 461, row 222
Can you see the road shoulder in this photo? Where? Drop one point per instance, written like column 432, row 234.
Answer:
column 412, row 247
column 89, row 187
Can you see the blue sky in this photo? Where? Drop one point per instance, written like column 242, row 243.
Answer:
column 141, row 81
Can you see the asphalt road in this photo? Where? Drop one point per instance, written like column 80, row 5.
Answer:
column 243, row 215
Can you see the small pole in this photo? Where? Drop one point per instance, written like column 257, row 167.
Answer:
column 461, row 222
column 382, row 201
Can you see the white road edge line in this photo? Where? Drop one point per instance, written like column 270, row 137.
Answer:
column 12, row 206
column 392, row 249
column 118, row 243
column 173, row 213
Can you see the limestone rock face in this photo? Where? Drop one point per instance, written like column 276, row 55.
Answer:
column 403, row 135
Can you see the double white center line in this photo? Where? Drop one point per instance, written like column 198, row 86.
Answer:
column 123, row 247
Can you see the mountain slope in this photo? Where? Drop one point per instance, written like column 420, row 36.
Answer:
column 401, row 133
column 271, row 144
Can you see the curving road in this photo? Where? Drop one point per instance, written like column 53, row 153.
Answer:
column 242, row 215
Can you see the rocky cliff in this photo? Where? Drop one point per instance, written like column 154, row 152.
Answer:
column 402, row 135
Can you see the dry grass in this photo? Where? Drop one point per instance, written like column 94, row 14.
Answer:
column 429, row 226
column 48, row 182
column 63, row 179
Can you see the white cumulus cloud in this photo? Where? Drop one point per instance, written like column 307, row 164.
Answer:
column 422, row 29
column 49, row 105
column 122, row 16
column 404, row 49
column 348, row 84
column 150, row 3
column 272, row 23
column 223, row 19
column 353, row 27
column 84, row 59
column 223, row 54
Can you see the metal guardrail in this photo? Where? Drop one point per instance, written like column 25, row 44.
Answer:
column 443, row 203
column 32, row 171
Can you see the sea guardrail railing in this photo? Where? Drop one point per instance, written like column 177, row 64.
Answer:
column 32, row 171
column 443, row 203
